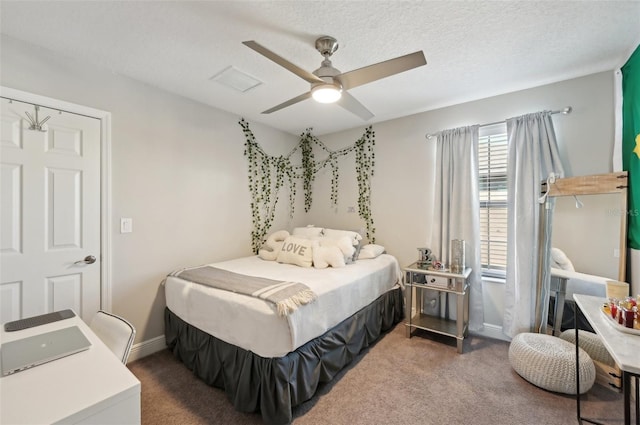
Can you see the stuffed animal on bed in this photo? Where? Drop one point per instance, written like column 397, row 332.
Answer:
column 273, row 245
column 343, row 244
column 327, row 255
column 332, row 252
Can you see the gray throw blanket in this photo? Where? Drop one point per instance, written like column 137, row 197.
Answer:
column 287, row 296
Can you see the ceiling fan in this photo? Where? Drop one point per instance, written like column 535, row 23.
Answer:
column 329, row 85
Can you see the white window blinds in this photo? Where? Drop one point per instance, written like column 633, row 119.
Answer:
column 492, row 156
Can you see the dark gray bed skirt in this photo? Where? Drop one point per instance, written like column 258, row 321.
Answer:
column 273, row 386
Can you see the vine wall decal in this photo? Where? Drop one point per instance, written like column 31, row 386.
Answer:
column 268, row 174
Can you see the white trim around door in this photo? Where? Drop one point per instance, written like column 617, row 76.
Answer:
column 105, row 175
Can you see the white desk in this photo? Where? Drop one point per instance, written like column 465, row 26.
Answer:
column 623, row 347
column 91, row 387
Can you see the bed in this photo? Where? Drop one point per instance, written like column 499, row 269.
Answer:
column 271, row 363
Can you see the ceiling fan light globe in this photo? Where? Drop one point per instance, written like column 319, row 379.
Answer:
column 326, row 93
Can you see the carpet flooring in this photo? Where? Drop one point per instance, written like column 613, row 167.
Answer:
column 422, row 380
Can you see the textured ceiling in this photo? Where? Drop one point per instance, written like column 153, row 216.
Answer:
column 474, row 49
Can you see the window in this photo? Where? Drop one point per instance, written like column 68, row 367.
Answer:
column 492, row 156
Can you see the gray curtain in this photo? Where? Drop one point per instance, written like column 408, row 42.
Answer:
column 457, row 209
column 533, row 154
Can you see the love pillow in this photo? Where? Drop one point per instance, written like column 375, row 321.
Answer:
column 298, row 251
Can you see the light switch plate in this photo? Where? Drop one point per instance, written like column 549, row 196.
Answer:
column 126, row 225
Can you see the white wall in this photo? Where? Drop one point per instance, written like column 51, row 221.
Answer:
column 177, row 169
column 402, row 187
column 179, row 172
column 590, row 235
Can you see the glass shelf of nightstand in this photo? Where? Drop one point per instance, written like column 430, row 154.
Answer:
column 435, row 324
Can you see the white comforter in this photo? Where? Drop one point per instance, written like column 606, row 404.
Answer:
column 253, row 324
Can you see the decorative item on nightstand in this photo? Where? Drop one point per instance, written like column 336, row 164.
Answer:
column 457, row 263
column 425, row 258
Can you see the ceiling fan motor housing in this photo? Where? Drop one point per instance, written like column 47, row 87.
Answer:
column 327, row 73
column 329, row 91
column 326, row 70
column 327, row 46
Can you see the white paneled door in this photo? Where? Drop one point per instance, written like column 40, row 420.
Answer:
column 49, row 213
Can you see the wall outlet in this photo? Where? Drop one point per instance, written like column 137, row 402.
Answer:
column 351, row 209
column 616, row 253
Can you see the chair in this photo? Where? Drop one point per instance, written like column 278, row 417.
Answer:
column 115, row 332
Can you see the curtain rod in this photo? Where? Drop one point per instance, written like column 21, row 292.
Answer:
column 564, row 111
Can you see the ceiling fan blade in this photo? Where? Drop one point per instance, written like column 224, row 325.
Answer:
column 289, row 102
column 352, row 105
column 380, row 70
column 305, row 75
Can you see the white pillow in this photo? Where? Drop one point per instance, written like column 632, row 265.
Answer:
column 309, row 232
column 370, row 251
column 559, row 260
column 298, row 251
column 337, row 234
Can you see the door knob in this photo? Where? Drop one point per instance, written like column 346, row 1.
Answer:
column 89, row 259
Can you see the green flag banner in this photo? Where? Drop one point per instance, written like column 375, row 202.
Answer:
column 631, row 142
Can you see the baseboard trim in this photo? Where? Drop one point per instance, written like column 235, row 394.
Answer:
column 145, row 348
column 492, row 331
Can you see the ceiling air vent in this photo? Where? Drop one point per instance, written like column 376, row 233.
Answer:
column 236, row 79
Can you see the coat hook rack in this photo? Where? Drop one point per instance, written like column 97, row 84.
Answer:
column 36, row 124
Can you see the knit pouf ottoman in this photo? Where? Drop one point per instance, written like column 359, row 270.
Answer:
column 550, row 363
column 608, row 374
column 591, row 343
